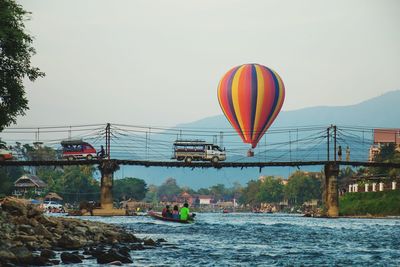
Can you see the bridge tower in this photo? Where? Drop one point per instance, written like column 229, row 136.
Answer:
column 331, row 189
column 107, row 169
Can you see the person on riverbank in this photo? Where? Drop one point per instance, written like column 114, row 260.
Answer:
column 348, row 153
column 166, row 212
column 184, row 214
column 175, row 212
column 339, row 153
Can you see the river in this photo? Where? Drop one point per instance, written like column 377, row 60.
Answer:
column 245, row 239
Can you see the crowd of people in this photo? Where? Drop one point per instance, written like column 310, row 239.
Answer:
column 175, row 213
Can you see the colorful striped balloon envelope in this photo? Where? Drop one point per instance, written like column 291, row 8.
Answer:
column 251, row 96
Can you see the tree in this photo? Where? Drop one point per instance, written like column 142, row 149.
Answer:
column 8, row 175
column 218, row 192
column 132, row 188
column 78, row 184
column 345, row 177
column 169, row 189
column 271, row 190
column 387, row 153
column 15, row 62
column 302, row 187
column 152, row 194
column 250, row 192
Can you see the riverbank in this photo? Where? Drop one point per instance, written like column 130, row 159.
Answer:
column 370, row 204
column 28, row 237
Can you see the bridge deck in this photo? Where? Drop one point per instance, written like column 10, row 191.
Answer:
column 179, row 164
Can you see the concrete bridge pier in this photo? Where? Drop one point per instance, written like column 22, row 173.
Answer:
column 107, row 169
column 331, row 189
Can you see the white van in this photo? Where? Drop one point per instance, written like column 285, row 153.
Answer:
column 190, row 150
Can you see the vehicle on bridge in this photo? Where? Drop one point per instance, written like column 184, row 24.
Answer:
column 77, row 149
column 191, row 150
column 5, row 153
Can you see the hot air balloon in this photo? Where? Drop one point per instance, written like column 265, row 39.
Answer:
column 251, row 96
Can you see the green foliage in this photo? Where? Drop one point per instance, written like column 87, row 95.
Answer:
column 271, row 190
column 345, row 176
column 203, row 191
column 387, row 153
column 152, row 194
column 218, row 192
column 40, row 152
column 169, row 189
column 79, row 185
column 15, row 62
column 8, row 175
column 250, row 192
column 302, row 187
column 374, row 203
column 129, row 188
column 73, row 183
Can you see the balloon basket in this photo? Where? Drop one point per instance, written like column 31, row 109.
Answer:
column 250, row 153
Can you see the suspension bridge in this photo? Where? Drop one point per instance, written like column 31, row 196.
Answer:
column 152, row 147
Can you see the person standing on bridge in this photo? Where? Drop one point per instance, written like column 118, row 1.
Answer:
column 348, row 153
column 101, row 153
column 339, row 153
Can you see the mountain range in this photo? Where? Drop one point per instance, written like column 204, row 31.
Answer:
column 378, row 112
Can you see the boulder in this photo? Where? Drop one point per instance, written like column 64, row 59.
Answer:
column 149, row 242
column 112, row 255
column 27, row 229
column 7, row 256
column 48, row 222
column 67, row 257
column 26, row 238
column 33, row 222
column 40, row 261
column 47, row 253
column 71, row 242
column 13, row 207
column 55, row 262
column 33, row 212
column 124, row 251
column 80, row 230
column 24, row 256
column 41, row 230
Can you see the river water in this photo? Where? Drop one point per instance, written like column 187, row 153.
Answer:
column 246, row 239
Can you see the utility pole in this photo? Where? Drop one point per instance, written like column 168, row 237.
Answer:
column 334, row 141
column 108, row 139
column 327, row 136
column 221, row 139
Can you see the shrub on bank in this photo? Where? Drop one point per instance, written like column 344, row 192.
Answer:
column 370, row 203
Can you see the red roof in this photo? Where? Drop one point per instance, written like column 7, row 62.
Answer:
column 387, row 136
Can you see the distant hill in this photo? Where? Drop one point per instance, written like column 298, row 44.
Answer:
column 380, row 111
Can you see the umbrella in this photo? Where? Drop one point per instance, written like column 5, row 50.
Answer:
column 34, row 201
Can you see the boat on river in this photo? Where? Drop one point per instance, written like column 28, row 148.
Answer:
column 158, row 216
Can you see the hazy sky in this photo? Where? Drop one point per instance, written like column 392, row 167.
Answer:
column 159, row 62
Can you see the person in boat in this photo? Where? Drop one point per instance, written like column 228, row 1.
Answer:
column 184, row 214
column 166, row 212
column 175, row 212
